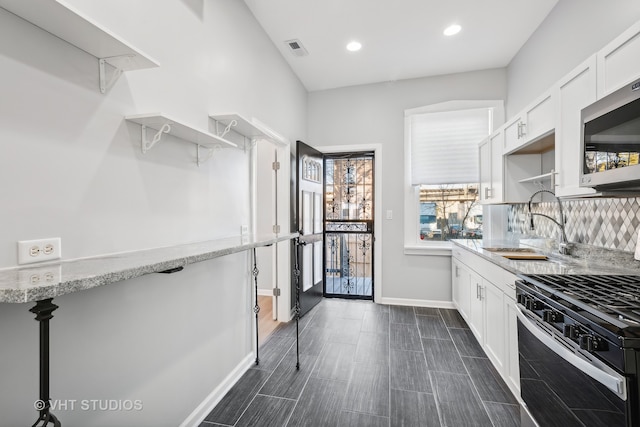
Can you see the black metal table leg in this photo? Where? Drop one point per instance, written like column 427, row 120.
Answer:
column 256, row 307
column 43, row 311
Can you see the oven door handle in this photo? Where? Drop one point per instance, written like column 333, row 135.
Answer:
column 615, row 384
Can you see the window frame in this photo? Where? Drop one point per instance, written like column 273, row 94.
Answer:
column 412, row 243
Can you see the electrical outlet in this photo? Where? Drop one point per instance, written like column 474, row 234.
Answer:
column 40, row 275
column 30, row 251
column 244, row 230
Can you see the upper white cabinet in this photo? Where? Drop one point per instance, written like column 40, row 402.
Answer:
column 575, row 91
column 534, row 122
column 63, row 21
column 491, row 168
column 619, row 61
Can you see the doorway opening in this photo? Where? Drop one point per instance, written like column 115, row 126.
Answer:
column 349, row 227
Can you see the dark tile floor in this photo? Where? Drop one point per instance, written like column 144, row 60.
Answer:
column 370, row 365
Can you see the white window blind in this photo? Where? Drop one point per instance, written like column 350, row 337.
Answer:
column 444, row 145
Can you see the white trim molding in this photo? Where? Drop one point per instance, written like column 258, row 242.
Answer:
column 417, row 302
column 200, row 413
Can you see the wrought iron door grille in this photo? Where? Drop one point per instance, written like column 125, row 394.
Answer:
column 349, row 226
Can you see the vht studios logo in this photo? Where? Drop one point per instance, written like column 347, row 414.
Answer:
column 635, row 86
column 90, row 405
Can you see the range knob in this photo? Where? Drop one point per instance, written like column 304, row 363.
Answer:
column 586, row 343
column 551, row 316
column 570, row 331
column 533, row 304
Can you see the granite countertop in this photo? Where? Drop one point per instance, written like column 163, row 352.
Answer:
column 53, row 279
column 590, row 261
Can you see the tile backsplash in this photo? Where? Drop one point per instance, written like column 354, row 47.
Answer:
column 611, row 223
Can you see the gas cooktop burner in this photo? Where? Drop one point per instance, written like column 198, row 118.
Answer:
column 616, row 296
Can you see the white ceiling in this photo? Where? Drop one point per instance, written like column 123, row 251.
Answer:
column 401, row 39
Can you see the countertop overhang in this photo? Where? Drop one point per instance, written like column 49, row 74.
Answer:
column 53, row 279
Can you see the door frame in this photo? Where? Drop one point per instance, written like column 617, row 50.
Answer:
column 377, row 205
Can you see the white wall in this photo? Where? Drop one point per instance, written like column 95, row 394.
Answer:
column 71, row 167
column 573, row 31
column 374, row 114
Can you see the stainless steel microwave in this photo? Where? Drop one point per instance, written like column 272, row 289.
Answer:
column 610, row 141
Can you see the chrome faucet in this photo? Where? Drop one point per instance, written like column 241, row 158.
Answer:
column 563, row 246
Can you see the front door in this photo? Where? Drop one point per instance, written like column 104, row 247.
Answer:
column 349, row 239
column 309, row 203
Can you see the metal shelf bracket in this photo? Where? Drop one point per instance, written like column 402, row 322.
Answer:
column 148, row 145
column 208, row 156
column 105, row 83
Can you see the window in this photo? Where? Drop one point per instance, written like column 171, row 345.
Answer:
column 441, row 158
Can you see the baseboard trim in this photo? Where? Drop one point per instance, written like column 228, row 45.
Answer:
column 201, row 412
column 265, row 292
column 416, row 302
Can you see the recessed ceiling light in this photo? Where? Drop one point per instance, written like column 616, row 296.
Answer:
column 354, row 46
column 452, row 29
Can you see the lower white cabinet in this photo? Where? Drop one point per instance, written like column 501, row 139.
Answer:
column 484, row 294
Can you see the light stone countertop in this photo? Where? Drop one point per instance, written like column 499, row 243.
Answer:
column 591, row 261
column 52, row 279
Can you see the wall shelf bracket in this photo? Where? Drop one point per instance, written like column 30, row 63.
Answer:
column 106, row 83
column 148, row 145
column 227, row 129
column 208, row 156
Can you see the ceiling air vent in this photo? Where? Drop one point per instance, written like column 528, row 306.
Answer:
column 296, row 48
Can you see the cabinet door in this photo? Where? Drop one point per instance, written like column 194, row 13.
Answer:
column 494, row 337
column 539, row 118
column 485, row 171
column 513, row 137
column 476, row 314
column 497, row 166
column 575, row 92
column 512, row 368
column 619, row 61
column 461, row 287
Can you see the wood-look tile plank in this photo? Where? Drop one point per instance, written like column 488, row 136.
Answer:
column 457, row 401
column 379, row 308
column 442, row 356
column 287, row 381
column 312, row 340
column 354, row 419
column 345, row 331
column 503, row 415
column 267, row 411
column 408, row 371
column 410, row 408
column 273, row 350
column 466, row 343
column 426, row 311
column 402, row 314
column 453, row 319
column 405, row 337
column 320, row 403
column 368, row 390
column 432, row 327
column 488, row 381
column 335, row 361
column 233, row 404
column 372, row 348
column 374, row 321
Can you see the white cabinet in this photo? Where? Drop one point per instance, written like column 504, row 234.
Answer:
column 491, row 168
column 494, row 316
column 575, row 91
column 461, row 287
column 533, row 123
column 476, row 314
column 484, row 294
column 619, row 61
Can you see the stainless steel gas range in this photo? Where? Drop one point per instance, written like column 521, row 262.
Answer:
column 579, row 345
